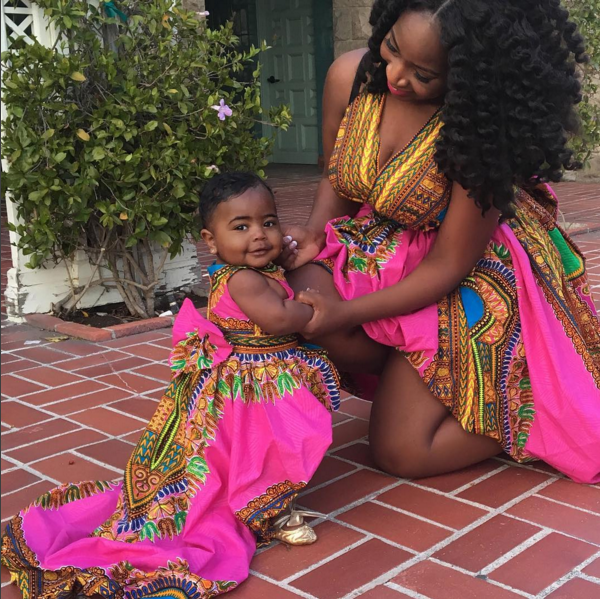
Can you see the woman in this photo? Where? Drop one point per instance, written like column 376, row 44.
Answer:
column 441, row 236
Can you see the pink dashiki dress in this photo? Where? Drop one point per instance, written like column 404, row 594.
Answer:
column 240, row 431
column 514, row 351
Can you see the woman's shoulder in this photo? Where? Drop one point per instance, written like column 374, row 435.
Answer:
column 342, row 72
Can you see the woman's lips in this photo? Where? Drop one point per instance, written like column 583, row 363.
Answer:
column 397, row 92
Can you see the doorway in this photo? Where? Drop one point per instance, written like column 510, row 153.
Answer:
column 300, row 33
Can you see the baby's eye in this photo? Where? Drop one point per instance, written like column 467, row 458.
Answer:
column 270, row 223
column 241, row 228
column 422, row 78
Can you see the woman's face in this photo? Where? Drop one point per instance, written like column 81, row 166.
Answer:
column 416, row 61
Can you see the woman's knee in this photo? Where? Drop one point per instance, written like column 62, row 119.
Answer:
column 400, row 460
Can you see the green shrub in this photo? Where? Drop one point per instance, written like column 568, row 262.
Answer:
column 586, row 13
column 112, row 133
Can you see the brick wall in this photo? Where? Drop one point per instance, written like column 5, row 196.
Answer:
column 351, row 27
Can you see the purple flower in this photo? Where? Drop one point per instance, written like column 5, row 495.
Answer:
column 222, row 109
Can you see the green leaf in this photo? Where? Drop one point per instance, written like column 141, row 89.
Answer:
column 161, row 238
column 36, row 196
column 151, row 126
column 34, row 261
column 60, row 157
column 77, row 76
column 98, row 153
column 47, row 134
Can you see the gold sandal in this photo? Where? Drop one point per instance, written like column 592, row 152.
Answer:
column 292, row 530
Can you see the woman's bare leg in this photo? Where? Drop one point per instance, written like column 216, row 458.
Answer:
column 412, row 434
column 352, row 350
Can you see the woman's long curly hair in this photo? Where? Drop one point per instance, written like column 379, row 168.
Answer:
column 512, row 86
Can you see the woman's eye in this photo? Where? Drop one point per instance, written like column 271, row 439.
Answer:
column 422, row 78
column 390, row 46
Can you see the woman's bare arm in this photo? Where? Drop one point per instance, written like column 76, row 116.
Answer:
column 338, row 86
column 461, row 242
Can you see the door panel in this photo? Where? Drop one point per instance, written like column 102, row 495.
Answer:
column 287, row 26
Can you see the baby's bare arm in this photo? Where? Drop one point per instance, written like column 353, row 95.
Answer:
column 261, row 304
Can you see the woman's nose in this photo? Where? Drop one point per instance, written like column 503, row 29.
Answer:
column 397, row 73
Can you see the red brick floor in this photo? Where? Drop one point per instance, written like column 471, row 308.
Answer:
column 73, row 410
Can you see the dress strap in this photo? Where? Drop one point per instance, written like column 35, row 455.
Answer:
column 220, row 274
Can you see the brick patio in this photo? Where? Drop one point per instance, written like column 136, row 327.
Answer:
column 73, row 410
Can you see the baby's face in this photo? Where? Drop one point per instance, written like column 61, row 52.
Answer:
column 245, row 230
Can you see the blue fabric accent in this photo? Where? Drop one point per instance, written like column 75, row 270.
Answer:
column 472, row 304
column 212, row 269
column 311, row 346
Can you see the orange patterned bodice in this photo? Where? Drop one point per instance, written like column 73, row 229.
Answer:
column 409, row 188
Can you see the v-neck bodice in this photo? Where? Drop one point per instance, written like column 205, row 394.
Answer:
column 408, row 188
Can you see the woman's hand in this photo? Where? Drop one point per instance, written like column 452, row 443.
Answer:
column 329, row 313
column 300, row 246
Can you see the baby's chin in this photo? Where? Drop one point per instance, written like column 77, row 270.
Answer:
column 262, row 261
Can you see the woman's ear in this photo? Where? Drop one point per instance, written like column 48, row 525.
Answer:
column 209, row 240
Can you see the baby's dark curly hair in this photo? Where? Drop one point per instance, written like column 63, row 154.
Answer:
column 226, row 186
column 512, row 86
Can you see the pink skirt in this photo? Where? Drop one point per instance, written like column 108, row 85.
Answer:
column 511, row 352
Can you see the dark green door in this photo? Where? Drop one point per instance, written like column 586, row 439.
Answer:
column 300, row 33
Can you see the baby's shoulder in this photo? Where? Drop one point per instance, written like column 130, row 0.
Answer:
column 247, row 281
